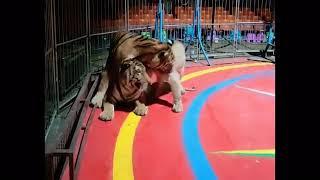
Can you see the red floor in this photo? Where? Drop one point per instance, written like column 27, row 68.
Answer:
column 239, row 117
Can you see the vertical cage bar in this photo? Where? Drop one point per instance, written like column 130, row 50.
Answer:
column 71, row 166
column 126, row 15
column 88, row 40
column 50, row 167
column 236, row 29
column 54, row 53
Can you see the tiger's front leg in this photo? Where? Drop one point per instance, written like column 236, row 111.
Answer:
column 102, row 89
column 108, row 111
column 141, row 109
column 177, row 90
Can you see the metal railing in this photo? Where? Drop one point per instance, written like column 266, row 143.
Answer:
column 63, row 145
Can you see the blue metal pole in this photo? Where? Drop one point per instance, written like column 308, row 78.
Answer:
column 156, row 26
column 161, row 20
column 197, row 13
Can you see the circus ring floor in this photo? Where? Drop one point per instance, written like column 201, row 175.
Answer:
column 226, row 131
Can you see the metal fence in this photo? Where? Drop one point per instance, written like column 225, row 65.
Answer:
column 66, row 56
column 78, row 35
column 51, row 102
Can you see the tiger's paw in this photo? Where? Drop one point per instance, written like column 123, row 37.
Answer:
column 177, row 107
column 97, row 100
column 183, row 91
column 141, row 110
column 106, row 115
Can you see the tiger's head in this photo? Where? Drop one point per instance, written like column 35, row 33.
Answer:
column 133, row 74
column 162, row 61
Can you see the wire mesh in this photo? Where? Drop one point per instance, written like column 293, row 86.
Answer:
column 252, row 17
column 71, row 34
column 72, row 65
